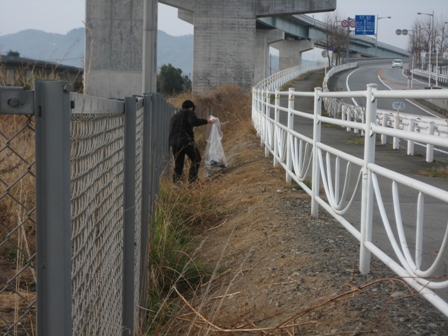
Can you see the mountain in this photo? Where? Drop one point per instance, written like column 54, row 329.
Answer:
column 69, row 49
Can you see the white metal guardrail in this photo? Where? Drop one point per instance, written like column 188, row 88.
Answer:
column 441, row 76
column 307, row 158
column 282, row 77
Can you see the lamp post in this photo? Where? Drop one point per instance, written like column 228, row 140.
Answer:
column 376, row 31
column 430, row 44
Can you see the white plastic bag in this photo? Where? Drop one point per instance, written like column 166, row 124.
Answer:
column 215, row 158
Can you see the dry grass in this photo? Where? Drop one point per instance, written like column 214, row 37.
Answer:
column 17, row 234
column 440, row 172
column 185, row 212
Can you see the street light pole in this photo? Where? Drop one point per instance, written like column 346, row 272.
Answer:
column 430, row 44
column 376, row 31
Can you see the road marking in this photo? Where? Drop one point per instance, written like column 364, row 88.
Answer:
column 348, row 87
column 409, row 101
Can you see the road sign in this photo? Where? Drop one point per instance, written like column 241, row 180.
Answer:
column 398, row 105
column 331, row 48
column 398, row 32
column 344, row 23
column 365, row 25
column 352, row 23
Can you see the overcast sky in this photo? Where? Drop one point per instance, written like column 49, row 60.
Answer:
column 60, row 16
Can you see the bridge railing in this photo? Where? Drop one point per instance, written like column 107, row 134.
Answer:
column 313, row 164
column 79, row 176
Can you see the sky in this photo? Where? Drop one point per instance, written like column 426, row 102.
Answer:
column 61, row 16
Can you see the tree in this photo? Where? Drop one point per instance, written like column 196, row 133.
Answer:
column 13, row 54
column 335, row 38
column 426, row 37
column 171, row 81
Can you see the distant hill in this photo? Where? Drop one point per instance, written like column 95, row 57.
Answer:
column 69, row 49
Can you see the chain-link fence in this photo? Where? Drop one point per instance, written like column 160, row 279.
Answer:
column 17, row 225
column 92, row 167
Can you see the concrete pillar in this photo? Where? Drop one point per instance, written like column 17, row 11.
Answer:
column 223, row 49
column 113, row 57
column 224, row 43
column 264, row 37
column 186, row 16
column 291, row 52
column 149, row 58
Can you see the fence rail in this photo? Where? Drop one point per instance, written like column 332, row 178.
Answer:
column 77, row 209
column 307, row 158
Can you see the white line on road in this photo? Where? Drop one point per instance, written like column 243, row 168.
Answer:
column 410, row 102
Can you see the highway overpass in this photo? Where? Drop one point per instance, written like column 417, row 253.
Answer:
column 231, row 41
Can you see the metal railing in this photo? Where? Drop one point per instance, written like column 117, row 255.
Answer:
column 440, row 77
column 77, row 258
column 282, row 77
column 337, row 108
column 308, row 159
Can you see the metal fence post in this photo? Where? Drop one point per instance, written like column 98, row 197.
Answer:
column 410, row 142
column 266, row 124
column 129, row 216
column 316, row 138
column 430, row 148
column 367, row 189
column 384, row 124
column 276, row 134
column 289, row 140
column 53, row 208
column 146, row 161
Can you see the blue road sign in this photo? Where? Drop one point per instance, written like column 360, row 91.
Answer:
column 365, row 25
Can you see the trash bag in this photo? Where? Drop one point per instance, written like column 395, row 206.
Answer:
column 215, row 159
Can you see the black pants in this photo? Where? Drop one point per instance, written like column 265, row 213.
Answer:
column 190, row 149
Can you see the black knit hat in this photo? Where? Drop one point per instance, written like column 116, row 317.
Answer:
column 187, row 104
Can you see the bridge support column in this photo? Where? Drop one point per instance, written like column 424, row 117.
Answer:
column 224, row 41
column 291, row 52
column 264, row 38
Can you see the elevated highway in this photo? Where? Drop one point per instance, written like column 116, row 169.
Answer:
column 231, row 41
column 302, row 27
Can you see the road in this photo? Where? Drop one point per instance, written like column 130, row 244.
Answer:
column 386, row 78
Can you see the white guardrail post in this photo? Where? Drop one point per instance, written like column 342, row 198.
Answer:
column 289, row 136
column 410, row 142
column 315, row 184
column 276, row 130
column 367, row 188
column 430, row 148
column 263, row 126
column 267, row 111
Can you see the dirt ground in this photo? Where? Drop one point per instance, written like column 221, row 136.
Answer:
column 278, row 271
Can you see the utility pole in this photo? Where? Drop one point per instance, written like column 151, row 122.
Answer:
column 376, row 31
column 430, row 44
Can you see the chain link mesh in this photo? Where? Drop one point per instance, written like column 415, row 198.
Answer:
column 17, row 226
column 97, row 197
column 97, row 142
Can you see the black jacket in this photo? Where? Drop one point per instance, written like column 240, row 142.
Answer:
column 182, row 124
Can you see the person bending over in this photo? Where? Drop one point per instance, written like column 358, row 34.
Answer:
column 182, row 142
